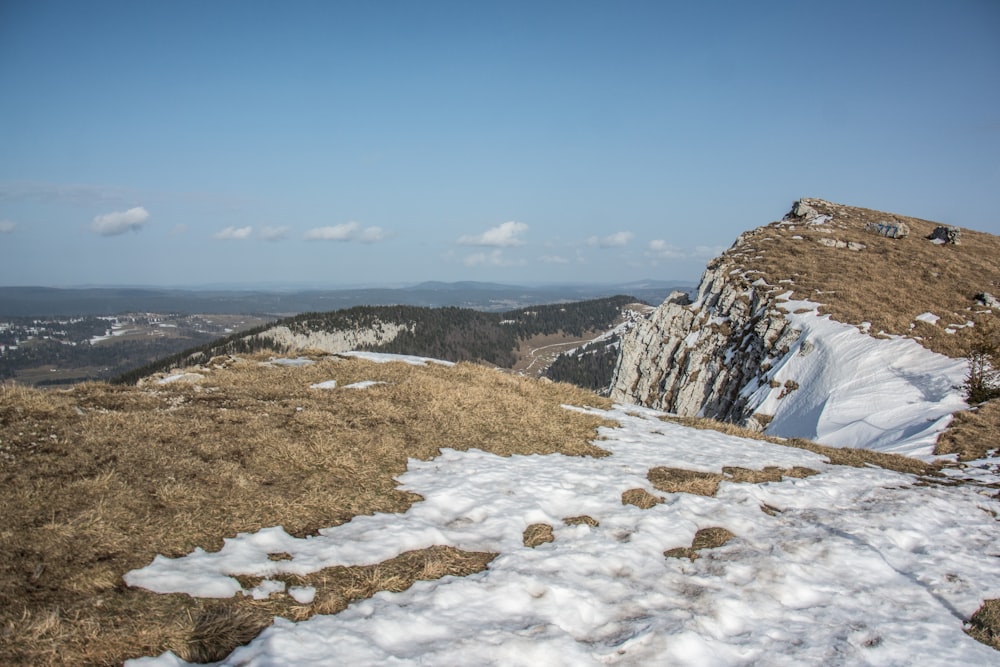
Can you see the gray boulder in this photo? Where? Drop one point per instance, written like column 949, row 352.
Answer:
column 952, row 235
column 890, row 230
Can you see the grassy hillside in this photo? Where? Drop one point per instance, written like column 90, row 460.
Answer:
column 887, row 282
column 99, row 479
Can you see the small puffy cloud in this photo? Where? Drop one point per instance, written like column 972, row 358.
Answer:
column 274, row 233
column 6, row 226
column 371, row 235
column 505, row 235
column 119, row 222
column 553, row 259
column 179, row 229
column 616, row 240
column 660, row 249
column 349, row 231
column 234, row 233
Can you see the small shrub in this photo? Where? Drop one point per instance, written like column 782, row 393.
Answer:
column 982, row 383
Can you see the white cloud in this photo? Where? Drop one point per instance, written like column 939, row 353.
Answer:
column 616, row 240
column 372, row 235
column 6, row 226
column 349, row 231
column 274, row 233
column 234, row 233
column 553, row 259
column 505, row 235
column 120, row 222
column 660, row 249
column 494, row 258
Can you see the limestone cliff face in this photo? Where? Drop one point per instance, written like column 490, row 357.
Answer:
column 699, row 358
column 336, row 342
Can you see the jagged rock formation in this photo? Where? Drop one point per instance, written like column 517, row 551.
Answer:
column 694, row 359
column 747, row 352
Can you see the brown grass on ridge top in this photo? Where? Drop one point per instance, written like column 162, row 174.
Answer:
column 98, row 479
column 889, row 282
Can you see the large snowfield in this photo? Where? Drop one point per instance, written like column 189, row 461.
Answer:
column 852, row 566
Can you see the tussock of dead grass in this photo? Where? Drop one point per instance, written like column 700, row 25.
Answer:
column 641, row 498
column 984, row 626
column 706, row 538
column 680, row 480
column 583, row 519
column 537, row 534
column 99, row 479
column 972, row 433
column 889, row 282
column 846, row 456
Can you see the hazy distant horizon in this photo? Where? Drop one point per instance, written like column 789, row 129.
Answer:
column 316, row 142
column 307, row 285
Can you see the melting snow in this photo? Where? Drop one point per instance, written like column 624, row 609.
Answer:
column 380, row 358
column 859, row 391
column 327, row 384
column 930, row 318
column 851, row 566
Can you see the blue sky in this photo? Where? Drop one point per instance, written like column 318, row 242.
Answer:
column 339, row 143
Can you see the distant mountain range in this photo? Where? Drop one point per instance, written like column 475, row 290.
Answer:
column 494, row 297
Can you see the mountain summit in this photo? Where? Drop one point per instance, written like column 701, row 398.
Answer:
column 839, row 324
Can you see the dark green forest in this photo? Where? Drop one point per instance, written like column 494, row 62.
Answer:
column 590, row 367
column 452, row 334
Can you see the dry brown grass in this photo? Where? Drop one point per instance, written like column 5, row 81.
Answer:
column 641, row 498
column 99, row 479
column 889, row 282
column 706, row 538
column 972, row 433
column 984, row 625
column 582, row 520
column 681, row 480
column 846, row 456
column 537, row 534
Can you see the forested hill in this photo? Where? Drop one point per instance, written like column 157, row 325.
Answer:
column 453, row 334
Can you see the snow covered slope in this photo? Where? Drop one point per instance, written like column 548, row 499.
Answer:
column 848, row 566
column 746, row 352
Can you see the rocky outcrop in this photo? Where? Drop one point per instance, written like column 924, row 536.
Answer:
column 696, row 358
column 749, row 352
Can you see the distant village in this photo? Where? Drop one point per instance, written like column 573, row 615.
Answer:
column 63, row 350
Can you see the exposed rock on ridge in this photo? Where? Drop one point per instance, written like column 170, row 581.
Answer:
column 755, row 350
column 693, row 359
